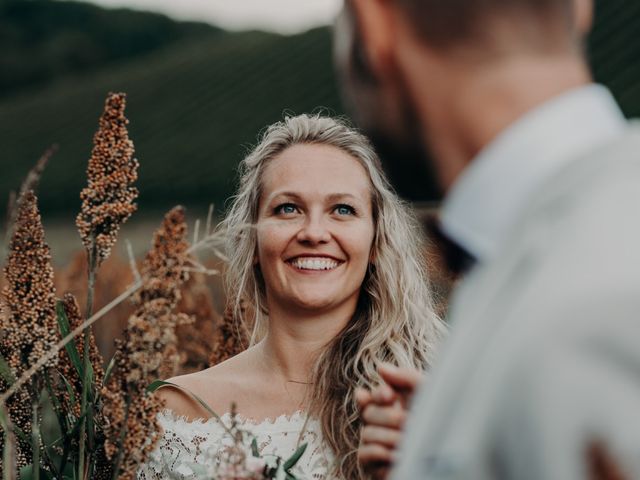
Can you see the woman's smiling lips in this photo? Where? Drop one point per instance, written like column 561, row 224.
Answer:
column 314, row 263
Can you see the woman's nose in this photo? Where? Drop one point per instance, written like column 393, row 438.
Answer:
column 314, row 230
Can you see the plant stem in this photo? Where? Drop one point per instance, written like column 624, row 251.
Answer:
column 87, row 388
column 62, row 422
column 35, row 437
column 8, row 455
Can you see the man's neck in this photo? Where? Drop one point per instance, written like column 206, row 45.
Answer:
column 465, row 107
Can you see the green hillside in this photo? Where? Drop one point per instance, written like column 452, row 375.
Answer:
column 614, row 49
column 44, row 39
column 196, row 105
column 193, row 109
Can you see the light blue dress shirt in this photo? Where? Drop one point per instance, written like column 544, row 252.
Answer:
column 484, row 203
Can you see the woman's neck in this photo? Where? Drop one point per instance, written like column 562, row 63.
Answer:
column 294, row 341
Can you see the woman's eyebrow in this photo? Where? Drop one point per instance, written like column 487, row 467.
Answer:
column 342, row 196
column 333, row 197
column 292, row 195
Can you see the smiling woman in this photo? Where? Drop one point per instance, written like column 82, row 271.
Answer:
column 314, row 233
column 329, row 261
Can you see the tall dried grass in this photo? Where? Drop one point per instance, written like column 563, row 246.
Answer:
column 29, row 327
column 50, row 354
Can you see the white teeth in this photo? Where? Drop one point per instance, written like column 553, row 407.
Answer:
column 307, row 263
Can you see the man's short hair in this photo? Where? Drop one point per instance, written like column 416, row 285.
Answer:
column 452, row 23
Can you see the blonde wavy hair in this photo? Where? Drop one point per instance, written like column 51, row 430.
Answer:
column 395, row 319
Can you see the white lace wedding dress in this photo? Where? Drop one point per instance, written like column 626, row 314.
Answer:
column 188, row 443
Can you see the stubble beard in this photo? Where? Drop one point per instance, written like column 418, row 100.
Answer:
column 387, row 115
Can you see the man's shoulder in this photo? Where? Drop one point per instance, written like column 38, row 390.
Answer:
column 573, row 258
column 589, row 210
column 598, row 170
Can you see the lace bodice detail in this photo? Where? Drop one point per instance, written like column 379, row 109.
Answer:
column 185, row 443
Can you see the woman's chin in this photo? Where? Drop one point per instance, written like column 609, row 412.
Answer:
column 315, row 302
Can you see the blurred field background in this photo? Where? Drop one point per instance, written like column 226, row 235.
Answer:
column 198, row 95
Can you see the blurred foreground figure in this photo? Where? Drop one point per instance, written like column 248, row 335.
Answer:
column 542, row 180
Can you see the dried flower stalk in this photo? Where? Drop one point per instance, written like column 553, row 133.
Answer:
column 30, row 183
column 148, row 351
column 29, row 324
column 196, row 341
column 108, row 200
column 231, row 337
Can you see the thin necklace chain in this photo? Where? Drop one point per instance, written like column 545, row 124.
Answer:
column 299, row 383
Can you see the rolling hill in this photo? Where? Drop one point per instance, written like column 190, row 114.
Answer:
column 196, row 104
column 194, row 108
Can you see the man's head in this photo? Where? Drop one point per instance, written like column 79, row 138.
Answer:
column 494, row 27
column 410, row 68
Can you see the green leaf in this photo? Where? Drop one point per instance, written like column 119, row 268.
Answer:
column 107, row 372
column 26, row 473
column 71, row 348
column 161, row 383
column 75, row 429
column 90, row 408
column 105, row 379
column 295, row 457
column 254, row 448
column 57, row 406
column 67, row 384
column 6, row 372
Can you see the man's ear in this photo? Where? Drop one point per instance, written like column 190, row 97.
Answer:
column 375, row 23
column 583, row 15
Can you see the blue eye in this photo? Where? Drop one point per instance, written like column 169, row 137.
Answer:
column 345, row 210
column 286, row 209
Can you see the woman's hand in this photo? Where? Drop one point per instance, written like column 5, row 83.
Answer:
column 384, row 411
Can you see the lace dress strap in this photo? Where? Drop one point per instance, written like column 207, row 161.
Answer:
column 186, row 443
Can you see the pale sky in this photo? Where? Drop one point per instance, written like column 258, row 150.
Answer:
column 286, row 16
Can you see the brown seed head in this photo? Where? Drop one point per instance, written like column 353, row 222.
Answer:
column 148, row 351
column 197, row 340
column 108, row 200
column 28, row 323
column 230, row 338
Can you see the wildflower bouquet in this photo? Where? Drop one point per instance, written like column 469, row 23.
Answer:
column 104, row 415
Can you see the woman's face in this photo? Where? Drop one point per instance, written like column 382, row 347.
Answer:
column 315, row 229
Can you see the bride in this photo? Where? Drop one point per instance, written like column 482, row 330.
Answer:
column 332, row 268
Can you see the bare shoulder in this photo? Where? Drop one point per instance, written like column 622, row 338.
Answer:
column 218, row 387
column 178, row 400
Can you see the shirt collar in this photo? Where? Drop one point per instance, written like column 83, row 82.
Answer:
column 484, row 203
